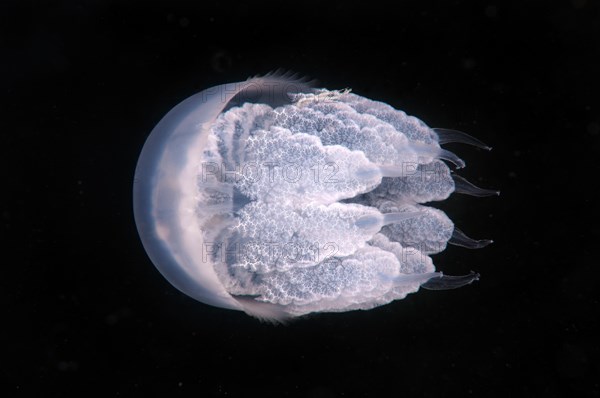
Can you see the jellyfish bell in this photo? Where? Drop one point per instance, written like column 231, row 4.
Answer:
column 165, row 189
column 279, row 199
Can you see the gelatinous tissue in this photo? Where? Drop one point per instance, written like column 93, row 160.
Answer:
column 279, row 199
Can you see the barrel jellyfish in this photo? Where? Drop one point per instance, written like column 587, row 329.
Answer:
column 279, row 199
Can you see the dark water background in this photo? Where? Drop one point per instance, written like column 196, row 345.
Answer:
column 82, row 83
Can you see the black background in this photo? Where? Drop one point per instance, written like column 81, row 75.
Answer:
column 82, row 84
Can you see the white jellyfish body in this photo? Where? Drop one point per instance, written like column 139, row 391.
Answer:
column 277, row 199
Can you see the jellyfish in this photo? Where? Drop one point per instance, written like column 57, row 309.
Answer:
column 279, row 199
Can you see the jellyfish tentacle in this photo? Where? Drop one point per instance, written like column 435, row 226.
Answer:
column 446, row 136
column 459, row 238
column 464, row 186
column 447, row 282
